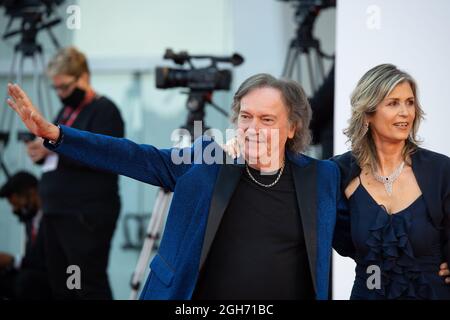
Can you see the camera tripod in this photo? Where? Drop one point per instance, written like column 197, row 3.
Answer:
column 153, row 234
column 196, row 103
column 27, row 49
column 304, row 44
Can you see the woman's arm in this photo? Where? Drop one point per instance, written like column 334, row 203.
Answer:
column 444, row 268
column 342, row 241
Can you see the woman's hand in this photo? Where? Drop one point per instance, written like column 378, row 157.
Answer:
column 445, row 272
column 231, row 147
column 234, row 146
column 30, row 115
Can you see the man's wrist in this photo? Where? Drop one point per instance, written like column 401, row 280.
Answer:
column 51, row 144
column 55, row 135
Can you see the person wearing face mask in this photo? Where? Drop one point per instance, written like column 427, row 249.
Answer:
column 80, row 205
column 24, row 277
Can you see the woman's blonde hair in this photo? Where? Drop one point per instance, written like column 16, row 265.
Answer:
column 374, row 86
column 69, row 61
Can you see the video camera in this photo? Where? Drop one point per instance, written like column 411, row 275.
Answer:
column 208, row 78
column 25, row 136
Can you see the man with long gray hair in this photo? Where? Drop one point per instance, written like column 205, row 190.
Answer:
column 256, row 227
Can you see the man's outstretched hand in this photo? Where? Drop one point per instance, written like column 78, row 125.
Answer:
column 30, row 115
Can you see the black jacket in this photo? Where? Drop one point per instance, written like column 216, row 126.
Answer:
column 432, row 171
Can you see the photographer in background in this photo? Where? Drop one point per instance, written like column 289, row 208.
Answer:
column 25, row 277
column 81, row 205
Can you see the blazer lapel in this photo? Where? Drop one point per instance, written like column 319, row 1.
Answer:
column 227, row 180
column 305, row 187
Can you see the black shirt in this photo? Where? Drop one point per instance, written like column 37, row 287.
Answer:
column 73, row 188
column 259, row 250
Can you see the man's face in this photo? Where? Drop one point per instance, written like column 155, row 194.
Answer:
column 264, row 125
column 64, row 84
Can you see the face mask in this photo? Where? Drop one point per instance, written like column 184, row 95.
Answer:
column 25, row 214
column 75, row 98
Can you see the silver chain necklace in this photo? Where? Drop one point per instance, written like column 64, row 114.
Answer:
column 262, row 184
column 388, row 181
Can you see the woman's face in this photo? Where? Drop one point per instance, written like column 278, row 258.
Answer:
column 394, row 116
column 64, row 84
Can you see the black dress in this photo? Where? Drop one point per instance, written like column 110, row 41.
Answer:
column 405, row 246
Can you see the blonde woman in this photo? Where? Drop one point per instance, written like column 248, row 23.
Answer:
column 395, row 213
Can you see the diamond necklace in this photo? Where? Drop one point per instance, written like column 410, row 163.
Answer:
column 388, row 181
